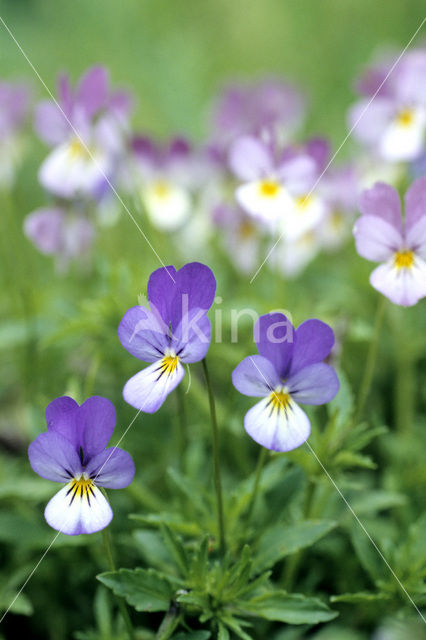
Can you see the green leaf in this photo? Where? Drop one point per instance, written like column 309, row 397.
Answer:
column 348, row 459
column 223, row 632
column 192, row 635
column 21, row 605
column 176, row 548
column 172, row 520
column 367, row 554
column 144, row 589
column 372, row 501
column 280, row 541
column 360, row 597
column 292, row 608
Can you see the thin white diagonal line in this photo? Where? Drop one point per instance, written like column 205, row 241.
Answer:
column 278, row 399
column 86, row 148
column 306, row 197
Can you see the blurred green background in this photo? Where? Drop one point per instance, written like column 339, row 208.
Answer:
column 176, row 53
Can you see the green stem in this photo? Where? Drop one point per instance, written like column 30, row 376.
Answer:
column 405, row 389
column 371, row 360
column 217, row 478
column 260, row 464
column 122, row 605
column 181, row 417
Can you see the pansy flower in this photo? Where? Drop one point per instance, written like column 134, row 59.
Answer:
column 288, row 370
column 382, row 236
column 243, row 109
column 78, row 164
column 65, row 234
column 175, row 330
column 169, row 178
column 73, row 452
column 390, row 118
column 271, row 183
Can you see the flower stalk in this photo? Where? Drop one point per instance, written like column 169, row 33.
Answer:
column 122, row 605
column 217, row 476
column 371, row 360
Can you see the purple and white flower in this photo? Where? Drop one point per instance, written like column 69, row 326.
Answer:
column 87, row 133
column 289, row 369
column 271, row 104
column 382, row 236
column 274, row 185
column 170, row 177
column 173, row 332
column 14, row 102
column 65, row 234
column 393, row 124
column 73, row 452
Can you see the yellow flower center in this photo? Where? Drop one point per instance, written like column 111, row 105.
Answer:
column 303, row 202
column 81, row 487
column 169, row 364
column 161, row 189
column 404, row 259
column 77, row 149
column 269, row 188
column 279, row 400
column 405, row 117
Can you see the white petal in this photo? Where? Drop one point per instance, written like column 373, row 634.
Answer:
column 404, row 286
column 148, row 389
column 69, row 170
column 167, row 204
column 266, row 207
column 278, row 429
column 303, row 216
column 85, row 513
column 404, row 141
column 292, row 257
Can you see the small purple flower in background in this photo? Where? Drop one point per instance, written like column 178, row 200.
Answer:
column 64, row 234
column 73, row 452
column 242, row 109
column 14, row 104
column 78, row 164
column 271, row 183
column 289, row 369
column 382, row 236
column 170, row 176
column 173, row 331
column 393, row 125
column 340, row 190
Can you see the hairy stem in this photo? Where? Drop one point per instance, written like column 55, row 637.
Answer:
column 217, row 478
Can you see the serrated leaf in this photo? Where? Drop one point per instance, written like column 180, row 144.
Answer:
column 281, row 540
column 360, row 597
column 144, row 589
column 292, row 608
column 223, row 632
column 347, row 459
